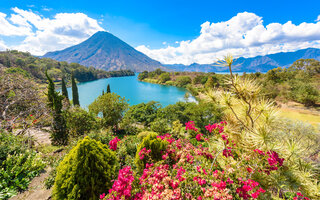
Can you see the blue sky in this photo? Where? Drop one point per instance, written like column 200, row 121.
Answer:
column 169, row 31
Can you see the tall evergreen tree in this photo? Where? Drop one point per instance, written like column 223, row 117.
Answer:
column 59, row 129
column 75, row 94
column 64, row 89
column 102, row 92
column 108, row 89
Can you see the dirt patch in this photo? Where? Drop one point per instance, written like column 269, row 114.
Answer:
column 36, row 189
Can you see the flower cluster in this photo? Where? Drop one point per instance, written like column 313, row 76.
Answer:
column 300, row 197
column 219, row 128
column 191, row 126
column 122, row 187
column 248, row 186
column 144, row 152
column 113, row 143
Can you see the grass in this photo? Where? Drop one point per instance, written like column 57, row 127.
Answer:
column 302, row 115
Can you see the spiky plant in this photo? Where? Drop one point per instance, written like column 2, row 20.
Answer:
column 254, row 124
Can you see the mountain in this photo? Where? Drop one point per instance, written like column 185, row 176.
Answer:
column 105, row 51
column 254, row 64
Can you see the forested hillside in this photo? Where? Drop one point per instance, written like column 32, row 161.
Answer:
column 35, row 67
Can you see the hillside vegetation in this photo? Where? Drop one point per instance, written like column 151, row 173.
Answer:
column 34, row 67
column 299, row 82
column 232, row 144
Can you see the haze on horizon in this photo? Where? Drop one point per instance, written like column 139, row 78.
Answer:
column 171, row 32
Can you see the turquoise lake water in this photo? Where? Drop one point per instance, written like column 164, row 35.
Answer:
column 133, row 90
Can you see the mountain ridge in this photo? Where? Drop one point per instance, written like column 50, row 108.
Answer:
column 254, row 64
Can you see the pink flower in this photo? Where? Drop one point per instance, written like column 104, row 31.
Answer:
column 113, row 143
column 198, row 137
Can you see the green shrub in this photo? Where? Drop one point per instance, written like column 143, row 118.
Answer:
column 18, row 165
column 156, row 145
column 164, row 77
column 143, row 134
column 103, row 135
column 86, row 171
column 183, row 81
column 79, row 121
column 160, row 126
column 127, row 149
column 305, row 93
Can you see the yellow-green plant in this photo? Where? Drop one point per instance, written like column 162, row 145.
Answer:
column 86, row 171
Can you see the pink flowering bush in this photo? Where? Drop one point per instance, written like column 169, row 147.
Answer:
column 122, row 187
column 170, row 168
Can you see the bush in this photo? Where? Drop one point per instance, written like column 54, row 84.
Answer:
column 183, row 81
column 111, row 106
column 164, row 77
column 79, row 121
column 18, row 164
column 160, row 126
column 143, row 134
column 86, row 171
column 305, row 93
column 153, row 143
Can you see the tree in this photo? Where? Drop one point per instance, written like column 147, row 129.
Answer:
column 210, row 83
column 111, row 106
column 79, row 121
column 19, row 98
column 108, row 89
column 59, row 129
column 64, row 89
column 183, row 81
column 75, row 94
column 85, row 172
column 164, row 77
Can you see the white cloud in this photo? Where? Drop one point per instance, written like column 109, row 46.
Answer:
column 2, row 46
column 45, row 34
column 318, row 19
column 243, row 35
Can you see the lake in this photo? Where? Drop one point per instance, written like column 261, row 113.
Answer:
column 133, row 90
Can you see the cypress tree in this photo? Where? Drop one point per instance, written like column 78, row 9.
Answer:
column 51, row 91
column 64, row 89
column 75, row 94
column 102, row 92
column 108, row 89
column 59, row 133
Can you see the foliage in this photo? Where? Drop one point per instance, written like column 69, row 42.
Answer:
column 144, row 113
column 108, row 89
column 19, row 98
column 111, row 106
column 182, row 81
column 79, row 121
column 149, row 150
column 164, row 77
column 256, row 126
column 18, row 164
column 75, row 93
column 85, row 172
column 59, row 134
column 64, row 89
column 35, row 67
column 305, row 93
